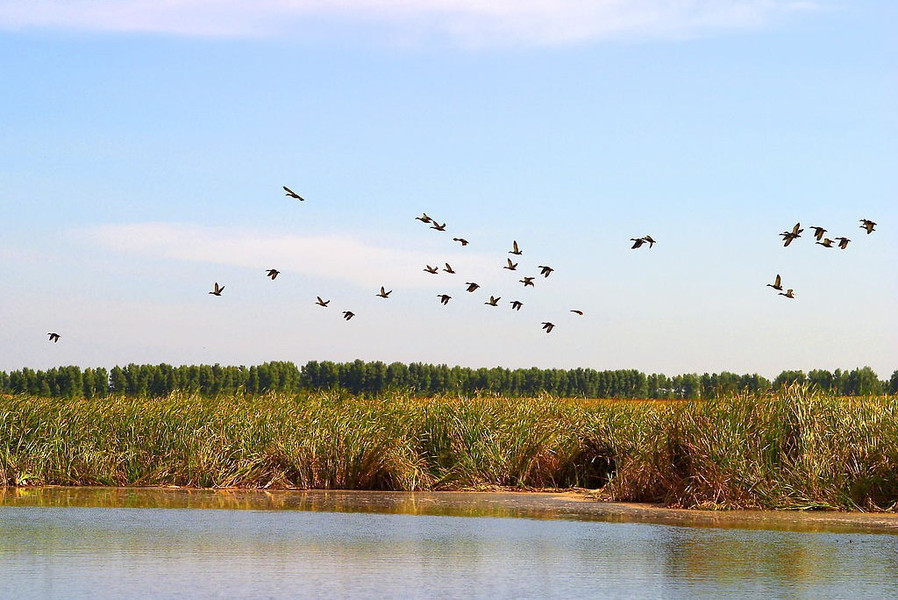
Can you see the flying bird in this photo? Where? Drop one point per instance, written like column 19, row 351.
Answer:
column 383, row 293
column 216, row 291
column 777, row 283
column 577, row 312
column 472, row 286
column 516, row 305
column 514, row 248
column 432, row 270
column 545, row 271
column 321, row 302
column 637, row 243
column 449, row 269
column 788, row 293
column 493, row 301
column 868, row 225
column 293, row 194
column 826, row 243
column 510, row 266
column 444, row 298
column 788, row 236
column 843, row 242
column 461, row 241
column 273, row 273
column 548, row 326
column 438, row 227
column 649, row 239
column 527, row 281
column 348, row 314
column 818, row 232
column 424, row 218
column 54, row 337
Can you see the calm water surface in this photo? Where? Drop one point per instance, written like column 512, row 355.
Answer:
column 174, row 544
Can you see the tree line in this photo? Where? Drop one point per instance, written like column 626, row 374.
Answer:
column 373, row 378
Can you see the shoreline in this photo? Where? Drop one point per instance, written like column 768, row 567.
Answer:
column 502, row 503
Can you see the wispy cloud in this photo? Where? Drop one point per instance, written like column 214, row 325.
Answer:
column 472, row 23
column 338, row 257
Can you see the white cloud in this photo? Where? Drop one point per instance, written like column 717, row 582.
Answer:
column 471, row 23
column 339, row 257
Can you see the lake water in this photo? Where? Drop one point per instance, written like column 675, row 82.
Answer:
column 106, row 543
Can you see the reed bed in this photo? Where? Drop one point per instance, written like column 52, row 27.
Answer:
column 792, row 449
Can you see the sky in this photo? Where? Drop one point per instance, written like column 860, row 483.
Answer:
column 145, row 146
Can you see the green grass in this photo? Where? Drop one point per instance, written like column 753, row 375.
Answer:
column 793, row 449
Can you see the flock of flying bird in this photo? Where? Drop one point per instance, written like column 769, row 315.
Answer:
column 795, row 233
column 544, row 270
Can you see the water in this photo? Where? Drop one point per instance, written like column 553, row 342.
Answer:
column 88, row 544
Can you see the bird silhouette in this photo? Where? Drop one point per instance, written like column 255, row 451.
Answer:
column 461, row 241
column 493, row 301
column 424, row 218
column 444, row 298
column 321, row 302
column 788, row 293
column 432, row 270
column 510, row 266
column 273, row 273
column 545, row 271
column 348, row 314
column 868, row 225
column 650, row 240
column 516, row 305
column 383, row 293
column 54, row 337
column 472, row 286
column 577, row 312
column 637, row 243
column 514, row 248
column 216, row 291
column 438, row 227
column 843, row 242
column 818, row 232
column 293, row 194
column 548, row 326
column 777, row 283
column 826, row 243
column 448, row 268
column 527, row 281
column 788, row 236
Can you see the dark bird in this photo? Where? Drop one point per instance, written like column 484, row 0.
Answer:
column 472, row 286
column 868, row 225
column 432, row 270
column 516, row 305
column 637, row 243
column 843, row 242
column 649, row 239
column 438, row 227
column 548, row 326
column 348, row 314
column 273, row 273
column 54, row 337
column 527, row 281
column 449, row 269
column 383, row 293
column 788, row 236
column 293, row 194
column 514, row 248
column 510, row 266
column 493, row 301
column 424, row 218
column 788, row 293
column 826, row 243
column 545, row 271
column 216, row 291
column 321, row 302
column 818, row 232
column 461, row 241
column 777, row 283
column 577, row 312
column 444, row 298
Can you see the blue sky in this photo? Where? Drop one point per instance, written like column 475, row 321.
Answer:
column 144, row 150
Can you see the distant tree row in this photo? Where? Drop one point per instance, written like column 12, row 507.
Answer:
column 373, row 378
